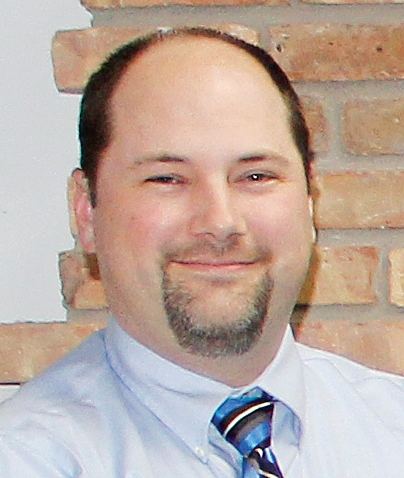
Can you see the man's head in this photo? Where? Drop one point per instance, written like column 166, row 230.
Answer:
column 202, row 223
column 96, row 123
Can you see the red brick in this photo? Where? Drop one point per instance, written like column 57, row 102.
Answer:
column 375, row 343
column 27, row 349
column 339, row 52
column 374, row 127
column 396, row 277
column 81, row 284
column 107, row 4
column 78, row 53
column 241, row 31
column 90, row 295
column 359, row 200
column 71, row 265
column 341, row 275
column 314, row 113
column 351, row 2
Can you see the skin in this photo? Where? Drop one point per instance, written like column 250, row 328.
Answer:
column 201, row 183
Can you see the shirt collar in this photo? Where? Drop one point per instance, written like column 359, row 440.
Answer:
column 283, row 379
column 173, row 393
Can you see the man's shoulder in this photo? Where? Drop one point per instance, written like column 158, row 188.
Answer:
column 75, row 379
column 321, row 360
column 344, row 379
column 68, row 418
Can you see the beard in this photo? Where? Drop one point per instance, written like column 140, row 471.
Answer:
column 229, row 336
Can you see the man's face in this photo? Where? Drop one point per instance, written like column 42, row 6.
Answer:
column 202, row 225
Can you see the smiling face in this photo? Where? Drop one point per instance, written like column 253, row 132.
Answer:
column 202, row 225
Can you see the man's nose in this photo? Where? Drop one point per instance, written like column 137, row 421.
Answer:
column 216, row 213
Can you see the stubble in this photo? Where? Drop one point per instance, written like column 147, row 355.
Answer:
column 233, row 336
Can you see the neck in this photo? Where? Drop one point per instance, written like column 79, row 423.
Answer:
column 234, row 371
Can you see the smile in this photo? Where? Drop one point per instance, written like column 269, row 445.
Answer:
column 215, row 268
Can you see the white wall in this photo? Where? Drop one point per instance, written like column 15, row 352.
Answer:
column 38, row 149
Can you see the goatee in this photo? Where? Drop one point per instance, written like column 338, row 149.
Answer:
column 223, row 338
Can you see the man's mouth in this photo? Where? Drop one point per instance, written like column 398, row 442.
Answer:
column 214, row 267
column 215, row 261
column 210, row 263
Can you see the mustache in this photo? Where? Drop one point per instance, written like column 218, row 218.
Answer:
column 229, row 251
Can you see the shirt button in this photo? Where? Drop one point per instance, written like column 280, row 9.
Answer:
column 201, row 454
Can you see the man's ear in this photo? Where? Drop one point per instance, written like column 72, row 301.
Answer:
column 81, row 211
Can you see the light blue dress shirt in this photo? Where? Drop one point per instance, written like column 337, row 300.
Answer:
column 114, row 409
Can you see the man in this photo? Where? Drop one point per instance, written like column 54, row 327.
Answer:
column 193, row 194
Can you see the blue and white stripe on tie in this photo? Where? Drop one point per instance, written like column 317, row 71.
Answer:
column 246, row 422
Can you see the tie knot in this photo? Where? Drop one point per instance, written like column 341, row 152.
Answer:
column 245, row 421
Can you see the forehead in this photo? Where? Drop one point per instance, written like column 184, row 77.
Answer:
column 196, row 65
column 196, row 88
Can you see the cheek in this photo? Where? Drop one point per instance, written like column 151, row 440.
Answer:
column 152, row 227
column 285, row 224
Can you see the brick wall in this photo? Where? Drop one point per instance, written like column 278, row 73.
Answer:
column 346, row 61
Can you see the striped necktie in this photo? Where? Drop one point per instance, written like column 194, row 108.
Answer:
column 245, row 422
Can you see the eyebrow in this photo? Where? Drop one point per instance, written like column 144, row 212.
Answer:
column 264, row 156
column 161, row 158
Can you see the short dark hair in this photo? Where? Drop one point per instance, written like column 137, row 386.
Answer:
column 95, row 125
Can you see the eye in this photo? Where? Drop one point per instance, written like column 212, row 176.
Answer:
column 165, row 179
column 259, row 177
